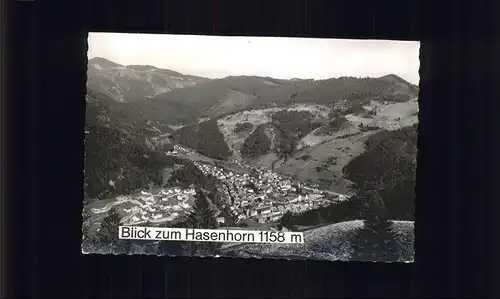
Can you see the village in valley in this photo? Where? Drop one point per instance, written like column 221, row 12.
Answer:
column 257, row 194
column 266, row 196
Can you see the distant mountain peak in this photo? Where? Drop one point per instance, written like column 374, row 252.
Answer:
column 103, row 62
column 398, row 80
column 393, row 77
column 134, row 82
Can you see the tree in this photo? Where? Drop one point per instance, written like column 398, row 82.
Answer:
column 374, row 211
column 108, row 232
column 202, row 217
column 243, row 127
column 252, row 186
column 286, row 220
column 229, row 218
column 85, row 223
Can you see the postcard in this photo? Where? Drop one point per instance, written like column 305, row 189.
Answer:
column 250, row 147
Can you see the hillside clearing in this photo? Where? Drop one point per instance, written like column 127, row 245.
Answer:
column 258, row 117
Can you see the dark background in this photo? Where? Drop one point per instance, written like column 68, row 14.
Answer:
column 43, row 104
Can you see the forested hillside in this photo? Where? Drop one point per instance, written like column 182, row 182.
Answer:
column 388, row 167
column 206, row 138
column 117, row 159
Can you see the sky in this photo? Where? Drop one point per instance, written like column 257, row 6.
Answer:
column 277, row 57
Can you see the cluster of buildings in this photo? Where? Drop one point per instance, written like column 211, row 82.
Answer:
column 163, row 206
column 179, row 150
column 253, row 193
column 265, row 196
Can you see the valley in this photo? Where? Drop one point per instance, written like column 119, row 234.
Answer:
column 250, row 194
column 262, row 151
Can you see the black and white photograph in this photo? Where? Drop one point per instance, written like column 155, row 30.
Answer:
column 250, row 147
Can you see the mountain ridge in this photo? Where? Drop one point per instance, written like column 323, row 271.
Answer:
column 103, row 74
column 134, row 82
column 297, row 118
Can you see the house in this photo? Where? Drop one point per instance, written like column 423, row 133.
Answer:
column 149, row 198
column 315, row 196
column 275, row 218
column 274, row 214
column 157, row 216
column 285, row 187
column 122, row 198
column 265, row 212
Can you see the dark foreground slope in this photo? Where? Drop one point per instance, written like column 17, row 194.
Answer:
column 332, row 242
